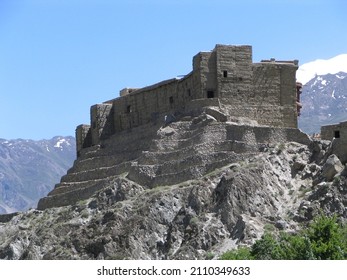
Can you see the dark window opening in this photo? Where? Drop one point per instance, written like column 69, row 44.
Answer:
column 337, row 133
column 189, row 93
column 129, row 109
column 171, row 101
column 210, row 94
column 225, row 74
column 240, row 79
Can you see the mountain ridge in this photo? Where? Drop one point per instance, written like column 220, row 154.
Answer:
column 29, row 169
column 324, row 100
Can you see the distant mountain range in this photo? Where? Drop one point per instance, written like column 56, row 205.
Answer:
column 324, row 100
column 324, row 95
column 29, row 170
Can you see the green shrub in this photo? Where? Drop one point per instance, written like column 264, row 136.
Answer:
column 209, row 256
column 266, row 248
column 328, row 238
column 324, row 239
column 242, row 253
column 269, row 228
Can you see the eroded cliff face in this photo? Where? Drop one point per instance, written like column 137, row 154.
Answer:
column 266, row 186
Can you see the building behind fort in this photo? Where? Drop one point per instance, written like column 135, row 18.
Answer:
column 337, row 133
column 226, row 77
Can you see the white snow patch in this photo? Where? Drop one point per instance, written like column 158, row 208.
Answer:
column 340, row 77
column 60, row 143
column 324, row 82
column 333, row 94
column 7, row 143
column 309, row 70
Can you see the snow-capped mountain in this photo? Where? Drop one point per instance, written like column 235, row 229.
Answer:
column 324, row 100
column 310, row 70
column 29, row 170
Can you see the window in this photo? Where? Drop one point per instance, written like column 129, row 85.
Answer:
column 225, row 74
column 189, row 93
column 210, row 94
column 129, row 109
column 171, row 101
column 337, row 133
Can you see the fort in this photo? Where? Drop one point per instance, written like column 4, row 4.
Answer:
column 227, row 109
column 225, row 77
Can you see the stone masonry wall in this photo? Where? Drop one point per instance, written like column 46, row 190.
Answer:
column 83, row 137
column 234, row 71
column 101, row 122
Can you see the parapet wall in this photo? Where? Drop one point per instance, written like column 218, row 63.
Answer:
column 264, row 92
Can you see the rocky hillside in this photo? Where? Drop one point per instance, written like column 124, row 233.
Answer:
column 324, row 100
column 30, row 169
column 269, row 184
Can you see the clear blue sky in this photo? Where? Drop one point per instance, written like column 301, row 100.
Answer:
column 59, row 57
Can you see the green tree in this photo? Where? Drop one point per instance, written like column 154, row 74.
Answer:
column 266, row 248
column 324, row 239
column 328, row 238
column 295, row 247
column 242, row 253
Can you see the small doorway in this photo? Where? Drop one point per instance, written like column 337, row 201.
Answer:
column 337, row 134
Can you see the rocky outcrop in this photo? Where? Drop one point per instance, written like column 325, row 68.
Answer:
column 251, row 183
column 166, row 154
column 276, row 189
column 331, row 167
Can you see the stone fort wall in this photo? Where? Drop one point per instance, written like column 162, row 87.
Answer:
column 225, row 76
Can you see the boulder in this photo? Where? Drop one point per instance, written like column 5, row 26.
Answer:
column 331, row 167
